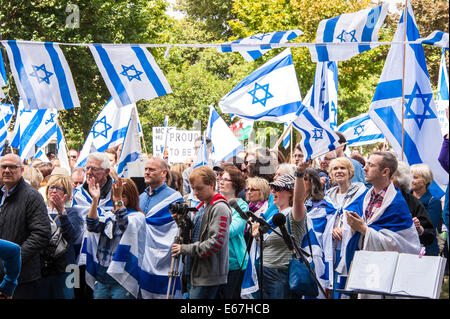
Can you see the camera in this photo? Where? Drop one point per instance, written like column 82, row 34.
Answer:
column 183, row 220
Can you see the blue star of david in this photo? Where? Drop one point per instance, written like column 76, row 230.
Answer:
column 359, row 129
column 104, row 132
column 318, row 134
column 267, row 96
column 44, row 78
column 260, row 38
column 132, row 68
column 50, row 120
column 343, row 36
column 421, row 114
column 24, row 111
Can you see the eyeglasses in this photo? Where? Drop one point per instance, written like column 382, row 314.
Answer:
column 11, row 167
column 95, row 169
column 252, row 189
column 73, row 156
column 56, row 188
column 297, row 156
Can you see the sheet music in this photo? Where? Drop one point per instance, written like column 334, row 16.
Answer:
column 417, row 276
column 372, row 271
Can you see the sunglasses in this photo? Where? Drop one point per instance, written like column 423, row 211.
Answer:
column 277, row 188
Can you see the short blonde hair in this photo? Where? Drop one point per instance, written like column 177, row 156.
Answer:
column 60, row 180
column 342, row 161
column 260, row 183
column 205, row 173
column 424, row 171
column 33, row 176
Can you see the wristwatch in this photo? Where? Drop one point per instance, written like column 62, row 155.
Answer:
column 118, row 203
column 299, row 175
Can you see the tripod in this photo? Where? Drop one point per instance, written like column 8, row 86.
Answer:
column 173, row 271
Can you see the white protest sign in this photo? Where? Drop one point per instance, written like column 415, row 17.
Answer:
column 180, row 143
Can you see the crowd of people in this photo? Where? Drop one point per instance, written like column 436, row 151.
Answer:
column 347, row 202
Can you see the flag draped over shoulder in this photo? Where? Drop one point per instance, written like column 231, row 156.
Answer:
column 324, row 93
column 270, row 93
column 6, row 113
column 360, row 130
column 224, row 142
column 42, row 75
column 263, row 39
column 130, row 73
column 317, row 137
column 361, row 26
column 131, row 149
column 108, row 130
column 420, row 140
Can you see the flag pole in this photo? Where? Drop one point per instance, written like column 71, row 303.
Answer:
column 291, row 143
column 405, row 21
column 275, row 147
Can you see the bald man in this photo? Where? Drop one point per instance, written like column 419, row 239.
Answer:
column 24, row 221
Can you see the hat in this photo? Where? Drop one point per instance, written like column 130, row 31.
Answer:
column 286, row 181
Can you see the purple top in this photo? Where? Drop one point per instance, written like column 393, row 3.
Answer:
column 443, row 156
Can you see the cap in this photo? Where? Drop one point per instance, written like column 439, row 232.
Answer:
column 286, row 181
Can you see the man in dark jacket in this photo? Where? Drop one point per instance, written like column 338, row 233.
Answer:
column 24, row 221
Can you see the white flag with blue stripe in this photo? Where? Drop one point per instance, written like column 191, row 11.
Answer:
column 201, row 158
column 437, row 38
column 131, row 149
column 130, row 73
column 287, row 139
column 341, row 31
column 108, row 130
column 6, row 113
column 166, row 124
column 324, row 94
column 270, row 93
column 317, row 137
column 442, row 99
column 224, row 142
column 361, row 130
column 250, row 283
column 422, row 137
column 260, row 43
column 42, row 75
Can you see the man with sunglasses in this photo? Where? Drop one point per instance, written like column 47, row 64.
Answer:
column 24, row 221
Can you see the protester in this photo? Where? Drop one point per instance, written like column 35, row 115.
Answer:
column 77, row 176
column 33, row 176
column 197, row 144
column 284, row 168
column 68, row 223
column 288, row 195
column 73, row 156
column 125, row 213
column 341, row 197
column 206, row 268
column 382, row 220
column 359, row 172
column 257, row 195
column 24, row 221
column 10, row 258
column 422, row 179
column 402, row 180
column 297, row 156
column 230, row 186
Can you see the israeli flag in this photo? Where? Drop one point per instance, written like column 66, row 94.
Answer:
column 108, row 130
column 62, row 149
column 131, row 149
column 259, row 43
column 287, row 139
column 161, row 231
column 250, row 283
column 442, row 101
column 224, row 142
column 42, row 75
column 130, row 73
column 6, row 113
column 361, row 130
column 270, row 93
column 166, row 123
column 422, row 137
column 317, row 137
column 324, row 93
column 341, row 31
column 3, row 79
column 201, row 158
column 437, row 38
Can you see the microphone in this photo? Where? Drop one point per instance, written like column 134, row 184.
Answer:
column 233, row 203
column 279, row 220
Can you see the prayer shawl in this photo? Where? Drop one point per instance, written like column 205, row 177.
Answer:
column 161, row 232
column 352, row 200
column 126, row 264
column 389, row 229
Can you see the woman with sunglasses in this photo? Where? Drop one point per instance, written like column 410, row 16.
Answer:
column 230, row 185
column 288, row 194
column 66, row 221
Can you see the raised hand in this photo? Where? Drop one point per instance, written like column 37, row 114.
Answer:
column 94, row 189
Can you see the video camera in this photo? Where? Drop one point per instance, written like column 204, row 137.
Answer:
column 183, row 220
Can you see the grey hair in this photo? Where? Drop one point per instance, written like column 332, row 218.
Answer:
column 286, row 168
column 424, row 171
column 403, row 176
column 102, row 157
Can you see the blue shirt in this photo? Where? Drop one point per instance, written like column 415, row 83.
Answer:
column 359, row 172
column 9, row 193
column 148, row 201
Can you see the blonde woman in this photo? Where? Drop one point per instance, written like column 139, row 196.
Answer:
column 257, row 195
